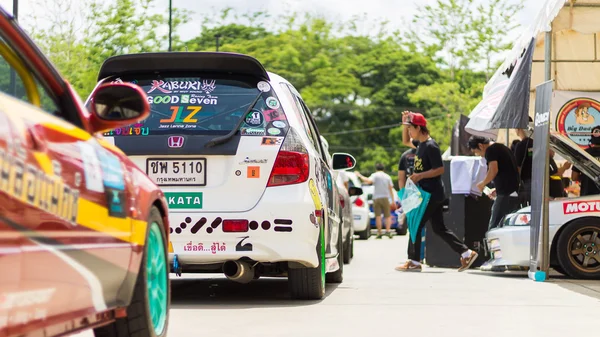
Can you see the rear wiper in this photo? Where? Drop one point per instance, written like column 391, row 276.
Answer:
column 227, row 137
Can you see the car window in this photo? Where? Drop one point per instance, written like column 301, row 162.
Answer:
column 313, row 129
column 205, row 106
column 17, row 80
column 312, row 134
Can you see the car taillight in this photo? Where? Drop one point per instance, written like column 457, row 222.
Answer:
column 342, row 201
column 292, row 162
column 235, row 225
column 358, row 202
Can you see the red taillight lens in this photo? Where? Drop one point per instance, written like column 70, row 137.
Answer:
column 342, row 201
column 235, row 225
column 290, row 168
column 358, row 202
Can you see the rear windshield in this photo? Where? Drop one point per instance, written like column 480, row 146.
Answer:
column 195, row 105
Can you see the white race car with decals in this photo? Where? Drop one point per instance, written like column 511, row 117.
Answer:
column 239, row 157
column 574, row 227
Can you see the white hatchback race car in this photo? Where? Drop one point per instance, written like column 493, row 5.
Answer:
column 239, row 157
column 574, row 227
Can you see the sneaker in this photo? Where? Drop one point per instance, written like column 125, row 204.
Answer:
column 379, row 236
column 467, row 262
column 409, row 266
column 389, row 235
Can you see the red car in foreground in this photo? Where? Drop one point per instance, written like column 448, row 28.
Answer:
column 83, row 231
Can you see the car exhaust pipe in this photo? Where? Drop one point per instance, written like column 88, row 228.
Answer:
column 238, row 271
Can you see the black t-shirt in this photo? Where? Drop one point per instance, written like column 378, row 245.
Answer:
column 428, row 157
column 588, row 187
column 524, row 157
column 507, row 178
column 407, row 162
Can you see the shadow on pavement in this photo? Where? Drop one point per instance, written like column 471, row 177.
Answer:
column 221, row 293
column 584, row 287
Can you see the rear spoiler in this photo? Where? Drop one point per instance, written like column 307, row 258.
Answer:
column 207, row 62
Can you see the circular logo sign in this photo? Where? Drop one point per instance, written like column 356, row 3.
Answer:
column 279, row 124
column 255, row 118
column 272, row 102
column 263, row 86
column 273, row 131
column 577, row 118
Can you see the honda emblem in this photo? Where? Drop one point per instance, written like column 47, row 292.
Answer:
column 175, row 141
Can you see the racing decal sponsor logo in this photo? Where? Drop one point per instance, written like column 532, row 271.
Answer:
column 136, row 130
column 199, row 99
column 255, row 118
column 281, row 225
column 253, row 161
column 204, row 86
column 253, row 172
column 272, row 141
column 577, row 117
column 91, row 168
column 263, row 86
column 31, row 185
column 179, row 200
column 116, row 203
column 253, row 132
column 243, row 247
column 214, row 247
column 581, row 207
column 176, row 117
column 314, row 193
column 272, row 102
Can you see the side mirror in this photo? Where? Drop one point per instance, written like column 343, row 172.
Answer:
column 343, row 161
column 352, row 191
column 115, row 105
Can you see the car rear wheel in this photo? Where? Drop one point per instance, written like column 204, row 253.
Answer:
column 349, row 248
column 309, row 283
column 148, row 312
column 338, row 275
column 401, row 230
column 579, row 249
column 364, row 235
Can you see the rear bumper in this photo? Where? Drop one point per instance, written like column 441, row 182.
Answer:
column 270, row 237
column 361, row 219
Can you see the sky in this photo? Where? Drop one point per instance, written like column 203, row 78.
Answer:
column 397, row 12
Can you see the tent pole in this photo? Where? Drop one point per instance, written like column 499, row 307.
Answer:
column 545, row 235
column 548, row 56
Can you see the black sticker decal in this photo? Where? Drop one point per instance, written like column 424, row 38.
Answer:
column 247, row 247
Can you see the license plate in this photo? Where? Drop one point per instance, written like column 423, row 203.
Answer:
column 177, row 171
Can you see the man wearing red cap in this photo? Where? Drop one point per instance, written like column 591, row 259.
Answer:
column 427, row 174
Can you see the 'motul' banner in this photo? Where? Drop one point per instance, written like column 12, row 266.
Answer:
column 575, row 114
column 538, row 261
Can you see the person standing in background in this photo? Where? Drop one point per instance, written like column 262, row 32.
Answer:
column 524, row 157
column 407, row 164
column 383, row 189
column 556, row 187
column 502, row 170
column 588, row 186
column 405, row 170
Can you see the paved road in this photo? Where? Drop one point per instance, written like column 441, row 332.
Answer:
column 375, row 300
